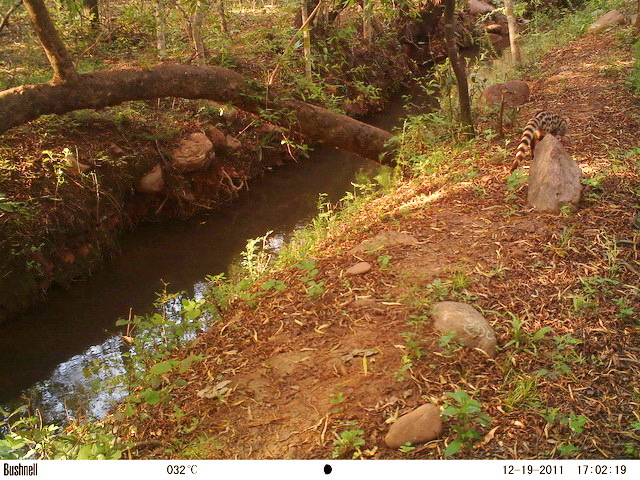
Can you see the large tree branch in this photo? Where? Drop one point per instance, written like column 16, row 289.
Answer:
column 63, row 67
column 96, row 90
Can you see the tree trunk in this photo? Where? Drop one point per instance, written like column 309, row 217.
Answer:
column 513, row 33
column 458, row 65
column 306, row 39
column 64, row 70
column 196, row 33
column 223, row 16
column 94, row 12
column 111, row 87
column 161, row 28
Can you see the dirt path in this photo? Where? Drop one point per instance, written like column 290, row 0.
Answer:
column 303, row 370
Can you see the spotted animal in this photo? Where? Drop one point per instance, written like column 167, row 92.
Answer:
column 540, row 124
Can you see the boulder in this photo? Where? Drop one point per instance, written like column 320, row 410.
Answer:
column 152, row 182
column 478, row 7
column 516, row 92
column 418, row 426
column 359, row 268
column 608, row 19
column 193, row 153
column 554, row 177
column 468, row 325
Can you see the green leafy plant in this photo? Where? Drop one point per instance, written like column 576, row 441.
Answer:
column 314, row 289
column 407, row 448
column 467, row 413
column 348, row 443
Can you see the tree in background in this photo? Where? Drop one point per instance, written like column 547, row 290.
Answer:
column 513, row 33
column 458, row 65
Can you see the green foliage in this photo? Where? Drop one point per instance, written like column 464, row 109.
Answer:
column 522, row 338
column 348, row 444
column 407, row 448
column 26, row 437
column 467, row 413
column 314, row 289
column 572, row 424
column 515, row 180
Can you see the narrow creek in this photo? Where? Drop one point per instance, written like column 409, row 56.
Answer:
column 47, row 352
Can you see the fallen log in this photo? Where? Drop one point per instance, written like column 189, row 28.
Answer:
column 97, row 90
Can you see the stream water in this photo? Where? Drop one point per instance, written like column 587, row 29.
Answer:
column 46, row 353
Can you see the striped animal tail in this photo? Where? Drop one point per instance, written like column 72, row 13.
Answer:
column 528, row 139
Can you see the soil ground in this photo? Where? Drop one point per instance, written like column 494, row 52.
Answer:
column 302, row 370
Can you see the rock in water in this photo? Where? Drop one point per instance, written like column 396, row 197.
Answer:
column 554, row 177
column 419, row 426
column 468, row 325
column 610, row 18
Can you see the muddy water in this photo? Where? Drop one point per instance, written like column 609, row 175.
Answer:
column 48, row 350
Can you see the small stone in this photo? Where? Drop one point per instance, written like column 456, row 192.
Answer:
column 152, row 182
column 608, row 19
column 193, row 153
column 419, row 426
column 363, row 302
column 359, row 268
column 384, row 239
column 554, row 177
column 468, row 325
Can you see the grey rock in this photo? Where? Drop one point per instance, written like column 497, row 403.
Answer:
column 554, row 177
column 419, row 426
column 359, row 268
column 468, row 325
